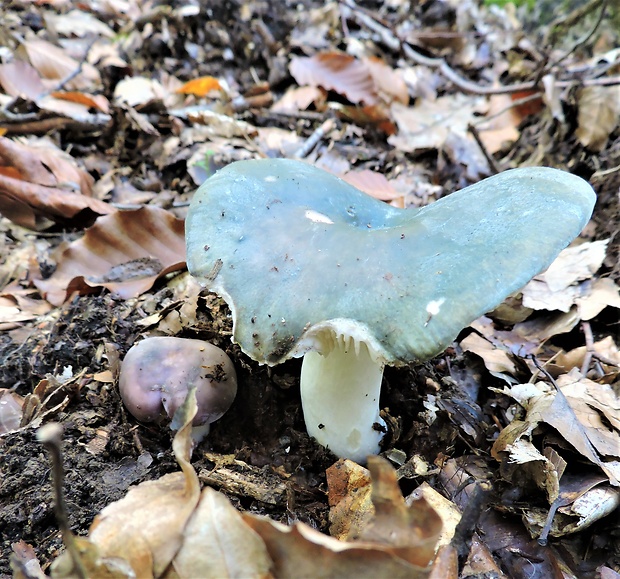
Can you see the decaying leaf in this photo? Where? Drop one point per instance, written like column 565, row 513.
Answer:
column 599, row 114
column 54, row 65
column 397, row 541
column 40, row 183
column 360, row 80
column 200, row 86
column 574, row 413
column 11, row 412
column 496, row 359
column 124, row 252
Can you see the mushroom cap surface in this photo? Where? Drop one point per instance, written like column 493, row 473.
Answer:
column 157, row 372
column 294, row 249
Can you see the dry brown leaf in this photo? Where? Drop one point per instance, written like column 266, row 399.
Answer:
column 399, row 541
column 372, row 183
column 336, row 71
column 218, row 543
column 599, row 115
column 557, row 288
column 495, row 359
column 572, row 420
column 367, row 80
column 40, row 183
column 297, row 99
column 125, row 252
column 146, row 528
column 20, row 79
column 428, row 124
column 55, row 65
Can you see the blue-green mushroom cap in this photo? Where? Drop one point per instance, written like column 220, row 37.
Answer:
column 293, row 249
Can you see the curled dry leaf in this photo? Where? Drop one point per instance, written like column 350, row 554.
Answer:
column 599, row 114
column 124, row 252
column 361, row 80
column 40, row 183
column 398, row 541
column 167, row 528
column 55, row 65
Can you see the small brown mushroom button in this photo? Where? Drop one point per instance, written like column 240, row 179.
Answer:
column 158, row 372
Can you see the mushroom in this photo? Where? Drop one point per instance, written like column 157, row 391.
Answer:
column 158, row 372
column 311, row 266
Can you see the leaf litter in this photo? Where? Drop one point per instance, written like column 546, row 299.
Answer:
column 406, row 104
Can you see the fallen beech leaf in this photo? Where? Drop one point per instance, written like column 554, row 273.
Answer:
column 398, row 541
column 599, row 114
column 98, row 101
column 428, row 124
column 200, row 86
column 146, row 528
column 336, row 71
column 218, row 543
column 54, row 64
column 20, row 79
column 297, row 99
column 125, row 252
column 40, row 183
column 495, row 358
column 372, row 183
column 43, row 164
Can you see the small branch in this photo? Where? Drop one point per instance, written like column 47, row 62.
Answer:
column 391, row 40
column 584, row 38
column 587, row 332
column 51, row 437
column 327, row 127
column 490, row 160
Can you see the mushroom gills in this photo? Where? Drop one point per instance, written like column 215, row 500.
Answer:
column 340, row 387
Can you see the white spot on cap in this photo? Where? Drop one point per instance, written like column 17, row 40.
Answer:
column 434, row 306
column 317, row 217
column 271, row 179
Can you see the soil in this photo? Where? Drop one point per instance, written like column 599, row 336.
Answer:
column 264, row 428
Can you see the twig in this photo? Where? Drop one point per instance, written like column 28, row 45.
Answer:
column 584, row 38
column 327, row 127
column 73, row 73
column 570, row 19
column 587, row 332
column 392, row 40
column 490, row 160
column 51, row 437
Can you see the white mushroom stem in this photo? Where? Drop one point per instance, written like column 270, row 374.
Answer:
column 340, row 388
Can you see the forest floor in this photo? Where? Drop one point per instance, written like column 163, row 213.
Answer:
column 98, row 119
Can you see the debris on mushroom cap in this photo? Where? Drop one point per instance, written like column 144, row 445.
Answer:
column 293, row 249
column 157, row 373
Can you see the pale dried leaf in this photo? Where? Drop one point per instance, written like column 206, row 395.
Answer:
column 599, row 114
column 77, row 23
column 297, row 99
column 495, row 359
column 602, row 293
column 138, row 91
column 125, row 252
column 574, row 264
column 54, row 64
column 372, row 183
column 218, row 543
column 146, row 528
column 336, row 71
column 428, row 124
column 20, row 79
